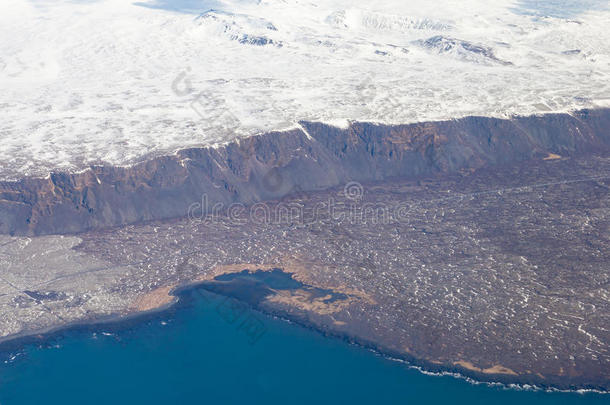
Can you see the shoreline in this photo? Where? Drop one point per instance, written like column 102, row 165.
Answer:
column 174, row 301
column 238, row 172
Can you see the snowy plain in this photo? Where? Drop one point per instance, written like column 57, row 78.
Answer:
column 115, row 81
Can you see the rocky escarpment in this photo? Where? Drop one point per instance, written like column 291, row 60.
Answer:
column 276, row 164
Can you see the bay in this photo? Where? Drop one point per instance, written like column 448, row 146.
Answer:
column 201, row 352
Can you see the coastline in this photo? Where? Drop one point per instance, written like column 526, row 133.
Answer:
column 387, row 152
column 172, row 299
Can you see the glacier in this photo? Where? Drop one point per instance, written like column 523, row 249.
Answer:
column 115, row 81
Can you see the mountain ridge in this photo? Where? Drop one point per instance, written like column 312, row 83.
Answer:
column 276, row 164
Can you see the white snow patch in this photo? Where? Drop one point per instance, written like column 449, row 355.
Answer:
column 113, row 81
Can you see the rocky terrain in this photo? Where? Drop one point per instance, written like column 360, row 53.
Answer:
column 277, row 164
column 476, row 245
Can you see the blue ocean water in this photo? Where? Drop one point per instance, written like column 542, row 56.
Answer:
column 201, row 353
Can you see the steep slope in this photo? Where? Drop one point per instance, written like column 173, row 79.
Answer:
column 277, row 164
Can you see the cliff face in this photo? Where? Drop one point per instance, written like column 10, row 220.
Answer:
column 276, row 164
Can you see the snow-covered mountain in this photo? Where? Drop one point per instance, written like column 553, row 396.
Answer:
column 90, row 81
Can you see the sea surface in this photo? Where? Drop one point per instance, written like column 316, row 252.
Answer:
column 213, row 350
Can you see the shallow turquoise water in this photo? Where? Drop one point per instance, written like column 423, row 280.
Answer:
column 199, row 354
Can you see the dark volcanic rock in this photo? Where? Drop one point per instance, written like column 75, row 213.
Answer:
column 277, row 164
